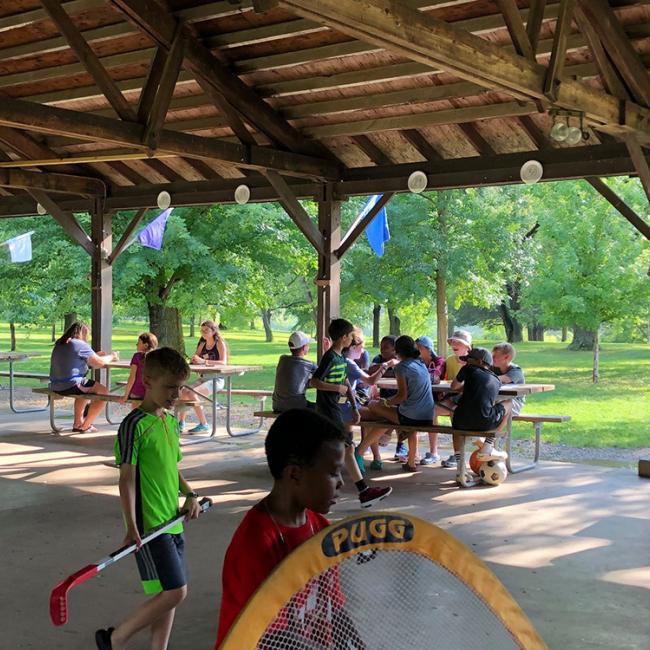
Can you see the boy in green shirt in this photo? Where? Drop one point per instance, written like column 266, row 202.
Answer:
column 147, row 451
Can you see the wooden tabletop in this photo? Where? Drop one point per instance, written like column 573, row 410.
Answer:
column 199, row 368
column 506, row 389
column 13, row 356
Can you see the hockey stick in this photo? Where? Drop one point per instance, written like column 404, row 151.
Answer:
column 59, row 595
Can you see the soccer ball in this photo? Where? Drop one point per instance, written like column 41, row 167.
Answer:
column 474, row 462
column 493, row 472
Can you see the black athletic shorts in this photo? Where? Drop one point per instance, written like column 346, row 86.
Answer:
column 161, row 563
column 409, row 422
column 81, row 388
column 498, row 413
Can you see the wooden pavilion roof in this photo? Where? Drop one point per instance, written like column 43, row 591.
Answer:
column 118, row 99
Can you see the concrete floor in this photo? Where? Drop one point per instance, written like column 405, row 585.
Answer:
column 570, row 542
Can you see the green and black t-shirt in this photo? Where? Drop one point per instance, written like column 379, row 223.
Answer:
column 333, row 369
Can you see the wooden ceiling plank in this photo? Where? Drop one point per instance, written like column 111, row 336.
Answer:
column 516, row 29
column 534, row 22
column 46, row 119
column 424, row 147
column 51, row 182
column 616, row 201
column 611, row 80
column 297, row 213
column 89, row 59
column 35, row 15
column 618, row 45
column 559, row 51
column 128, row 172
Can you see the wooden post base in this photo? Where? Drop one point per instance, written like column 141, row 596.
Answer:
column 644, row 467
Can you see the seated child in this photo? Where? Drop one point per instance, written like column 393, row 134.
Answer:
column 461, row 343
column 413, row 403
column 503, row 355
column 134, row 388
column 331, row 383
column 477, row 407
column 292, row 375
column 305, row 454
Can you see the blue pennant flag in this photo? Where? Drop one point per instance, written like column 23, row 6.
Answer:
column 377, row 230
column 152, row 235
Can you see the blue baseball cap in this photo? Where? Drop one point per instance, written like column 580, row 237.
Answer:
column 425, row 342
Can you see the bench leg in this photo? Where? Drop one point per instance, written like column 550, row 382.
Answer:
column 12, row 406
column 538, row 439
column 461, row 470
column 107, row 413
column 231, row 433
column 55, row 429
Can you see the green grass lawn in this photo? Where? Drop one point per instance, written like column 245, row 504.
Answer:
column 613, row 413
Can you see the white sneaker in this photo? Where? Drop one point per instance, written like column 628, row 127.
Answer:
column 469, row 477
column 488, row 452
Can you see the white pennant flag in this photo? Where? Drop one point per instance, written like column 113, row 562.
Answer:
column 20, row 247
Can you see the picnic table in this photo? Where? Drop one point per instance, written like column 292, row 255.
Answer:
column 506, row 390
column 212, row 373
column 11, row 358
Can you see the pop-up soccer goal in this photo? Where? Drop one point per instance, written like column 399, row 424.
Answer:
column 382, row 582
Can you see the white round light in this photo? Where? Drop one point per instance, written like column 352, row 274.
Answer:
column 242, row 194
column 559, row 132
column 574, row 136
column 531, row 171
column 164, row 200
column 417, row 182
column 40, row 209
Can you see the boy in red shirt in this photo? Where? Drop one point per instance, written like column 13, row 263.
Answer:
column 305, row 453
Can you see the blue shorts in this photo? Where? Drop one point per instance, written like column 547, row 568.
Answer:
column 161, row 563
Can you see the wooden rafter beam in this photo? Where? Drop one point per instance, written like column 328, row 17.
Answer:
column 89, row 59
column 640, row 163
column 360, row 224
column 162, row 26
column 423, row 146
column 534, row 22
column 126, row 235
column 615, row 200
column 394, row 25
column 516, row 28
column 151, row 83
column 371, row 150
column 558, row 53
column 51, row 182
column 298, row 214
column 20, row 114
column 618, row 45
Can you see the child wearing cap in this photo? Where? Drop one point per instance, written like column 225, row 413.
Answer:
column 477, row 407
column 292, row 375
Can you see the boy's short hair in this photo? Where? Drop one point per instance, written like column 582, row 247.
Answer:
column 405, row 347
column 296, row 438
column 506, row 348
column 389, row 338
column 339, row 327
column 162, row 360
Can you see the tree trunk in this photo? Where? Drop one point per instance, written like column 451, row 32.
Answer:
column 165, row 322
column 68, row 319
column 192, row 326
column 393, row 322
column 582, row 339
column 539, row 332
column 442, row 317
column 251, row 325
column 596, row 367
column 266, row 321
column 565, row 334
column 12, row 332
column 511, row 325
column 53, row 332
column 376, row 316
column 531, row 332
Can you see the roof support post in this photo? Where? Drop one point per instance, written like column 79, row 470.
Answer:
column 328, row 280
column 101, row 279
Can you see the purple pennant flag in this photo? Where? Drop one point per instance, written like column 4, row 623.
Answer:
column 152, row 235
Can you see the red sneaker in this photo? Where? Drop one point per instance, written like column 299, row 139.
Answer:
column 373, row 495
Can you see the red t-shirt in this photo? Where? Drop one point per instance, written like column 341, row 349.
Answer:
column 256, row 548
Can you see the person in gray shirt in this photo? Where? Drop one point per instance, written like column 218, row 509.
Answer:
column 503, row 355
column 293, row 374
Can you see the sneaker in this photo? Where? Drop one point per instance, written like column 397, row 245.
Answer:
column 377, row 464
column 359, row 458
column 449, row 462
column 373, row 495
column 409, row 468
column 488, row 452
column 181, row 425
column 468, row 477
column 103, row 639
column 430, row 459
column 199, row 428
column 400, row 452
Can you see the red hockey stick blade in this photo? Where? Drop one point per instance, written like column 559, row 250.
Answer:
column 59, row 595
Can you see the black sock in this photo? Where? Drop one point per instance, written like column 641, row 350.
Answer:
column 361, row 485
column 489, row 440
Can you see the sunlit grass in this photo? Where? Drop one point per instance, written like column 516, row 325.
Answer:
column 613, row 413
